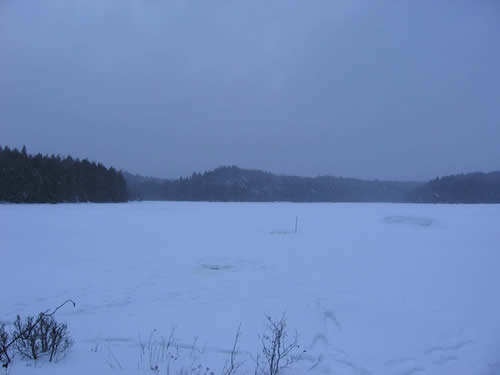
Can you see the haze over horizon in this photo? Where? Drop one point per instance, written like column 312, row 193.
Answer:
column 393, row 90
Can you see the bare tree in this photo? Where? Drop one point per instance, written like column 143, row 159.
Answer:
column 277, row 348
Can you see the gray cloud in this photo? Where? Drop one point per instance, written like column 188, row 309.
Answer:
column 375, row 89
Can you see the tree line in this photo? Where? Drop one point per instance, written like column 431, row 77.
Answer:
column 231, row 183
column 461, row 188
column 41, row 178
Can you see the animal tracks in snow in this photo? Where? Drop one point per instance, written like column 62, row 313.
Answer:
column 404, row 366
column 444, row 360
column 412, row 220
column 319, row 339
column 437, row 355
column 448, row 348
column 412, row 371
column 324, row 358
column 399, row 361
column 330, row 316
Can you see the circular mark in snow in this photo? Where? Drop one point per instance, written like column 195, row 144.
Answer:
column 414, row 220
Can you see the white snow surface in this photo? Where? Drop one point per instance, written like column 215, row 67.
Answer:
column 389, row 289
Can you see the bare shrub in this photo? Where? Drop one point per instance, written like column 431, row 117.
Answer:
column 58, row 339
column 279, row 351
column 159, row 353
column 277, row 348
column 26, row 331
column 27, row 344
column 41, row 337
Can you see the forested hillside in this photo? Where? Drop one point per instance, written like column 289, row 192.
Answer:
column 42, row 179
column 463, row 188
column 236, row 184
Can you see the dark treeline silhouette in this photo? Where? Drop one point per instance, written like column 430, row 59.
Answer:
column 145, row 188
column 236, row 184
column 41, row 179
column 44, row 179
column 463, row 188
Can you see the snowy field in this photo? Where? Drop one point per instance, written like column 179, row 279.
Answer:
column 386, row 289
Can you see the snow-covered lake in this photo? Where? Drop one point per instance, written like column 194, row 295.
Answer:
column 389, row 289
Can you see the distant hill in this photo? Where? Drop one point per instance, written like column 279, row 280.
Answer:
column 236, row 184
column 462, row 188
column 40, row 178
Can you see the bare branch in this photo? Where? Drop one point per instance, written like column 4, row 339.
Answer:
column 231, row 367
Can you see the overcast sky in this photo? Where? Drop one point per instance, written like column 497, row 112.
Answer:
column 401, row 89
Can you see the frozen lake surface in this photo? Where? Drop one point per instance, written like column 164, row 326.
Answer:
column 386, row 289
